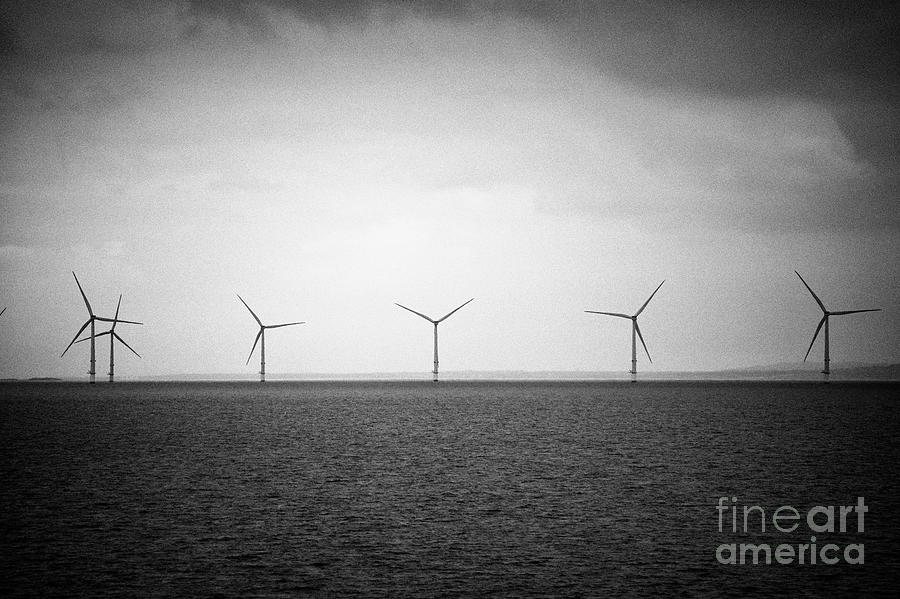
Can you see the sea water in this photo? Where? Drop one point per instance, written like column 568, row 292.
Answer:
column 531, row 489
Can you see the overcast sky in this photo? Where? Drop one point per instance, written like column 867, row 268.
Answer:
column 326, row 159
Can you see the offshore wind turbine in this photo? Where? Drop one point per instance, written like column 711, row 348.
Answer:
column 112, row 337
column 90, row 321
column 435, row 323
column 825, row 315
column 635, row 332
column 262, row 335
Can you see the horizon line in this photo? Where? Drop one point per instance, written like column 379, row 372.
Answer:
column 774, row 371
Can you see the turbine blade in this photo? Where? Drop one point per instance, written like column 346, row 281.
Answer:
column 255, row 341
column 638, row 313
column 815, row 297
column 287, row 324
column 841, row 313
column 83, row 327
column 609, row 314
column 452, row 311
column 125, row 344
column 86, row 302
column 258, row 321
column 116, row 317
column 2, row 311
column 95, row 336
column 115, row 321
column 641, row 337
column 816, row 334
column 416, row 313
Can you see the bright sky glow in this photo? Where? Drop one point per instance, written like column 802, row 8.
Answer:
column 327, row 163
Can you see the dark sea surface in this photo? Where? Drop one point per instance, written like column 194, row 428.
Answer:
column 470, row 489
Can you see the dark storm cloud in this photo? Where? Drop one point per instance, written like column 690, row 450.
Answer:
column 837, row 49
column 727, row 47
column 9, row 44
column 840, row 57
column 842, row 54
column 335, row 11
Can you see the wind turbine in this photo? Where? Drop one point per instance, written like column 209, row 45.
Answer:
column 825, row 314
column 112, row 337
column 635, row 332
column 262, row 335
column 435, row 323
column 90, row 321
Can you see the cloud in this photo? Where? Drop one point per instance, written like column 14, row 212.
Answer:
column 844, row 56
column 598, row 110
column 9, row 42
column 759, row 164
column 16, row 256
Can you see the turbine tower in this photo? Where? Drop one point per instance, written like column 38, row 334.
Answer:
column 635, row 332
column 90, row 321
column 112, row 337
column 262, row 335
column 825, row 314
column 435, row 323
